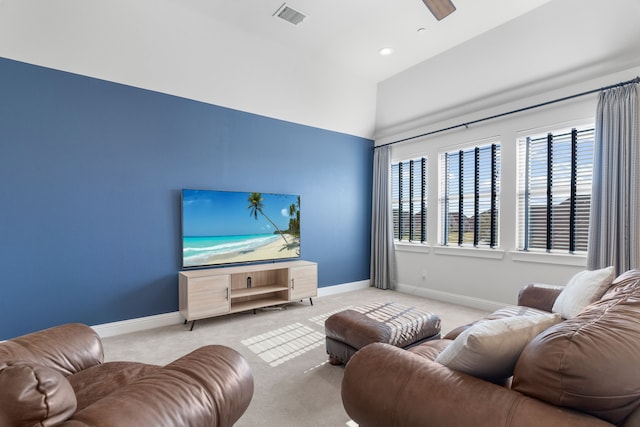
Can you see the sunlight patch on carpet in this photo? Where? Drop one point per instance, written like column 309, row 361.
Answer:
column 322, row 317
column 283, row 344
column 316, row 367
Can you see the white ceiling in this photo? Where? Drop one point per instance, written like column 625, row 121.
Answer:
column 347, row 34
column 326, row 72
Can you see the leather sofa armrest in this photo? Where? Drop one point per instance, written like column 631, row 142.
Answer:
column 407, row 390
column 68, row 348
column 34, row 395
column 539, row 295
column 210, row 386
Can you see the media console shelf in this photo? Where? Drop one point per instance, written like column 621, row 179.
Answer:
column 217, row 291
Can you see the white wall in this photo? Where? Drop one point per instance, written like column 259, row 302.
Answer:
column 488, row 278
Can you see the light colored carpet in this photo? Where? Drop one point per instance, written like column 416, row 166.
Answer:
column 294, row 383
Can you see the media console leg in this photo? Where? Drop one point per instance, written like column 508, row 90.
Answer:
column 311, row 300
column 192, row 325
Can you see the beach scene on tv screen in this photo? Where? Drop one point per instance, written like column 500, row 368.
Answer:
column 222, row 227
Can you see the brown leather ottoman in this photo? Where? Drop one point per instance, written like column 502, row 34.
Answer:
column 391, row 323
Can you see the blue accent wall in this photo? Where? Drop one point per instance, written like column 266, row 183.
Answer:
column 90, row 179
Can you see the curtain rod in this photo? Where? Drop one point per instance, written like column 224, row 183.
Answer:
column 519, row 110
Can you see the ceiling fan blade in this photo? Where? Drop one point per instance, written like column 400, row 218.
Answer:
column 440, row 8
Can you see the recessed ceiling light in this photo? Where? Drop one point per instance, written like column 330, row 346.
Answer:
column 422, row 30
column 385, row 51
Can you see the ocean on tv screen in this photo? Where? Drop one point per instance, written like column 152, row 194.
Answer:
column 221, row 227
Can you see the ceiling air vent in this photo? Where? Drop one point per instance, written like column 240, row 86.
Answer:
column 289, row 14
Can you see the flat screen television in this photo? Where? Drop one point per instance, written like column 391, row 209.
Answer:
column 229, row 227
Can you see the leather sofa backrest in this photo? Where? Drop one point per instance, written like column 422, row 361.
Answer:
column 591, row 362
column 68, row 348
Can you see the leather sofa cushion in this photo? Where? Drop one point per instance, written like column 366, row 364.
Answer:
column 430, row 349
column 98, row 381
column 211, row 386
column 590, row 362
column 34, row 395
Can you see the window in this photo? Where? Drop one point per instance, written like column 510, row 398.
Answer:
column 554, row 192
column 409, row 200
column 470, row 194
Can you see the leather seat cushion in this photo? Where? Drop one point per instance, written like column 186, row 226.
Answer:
column 95, row 383
column 430, row 349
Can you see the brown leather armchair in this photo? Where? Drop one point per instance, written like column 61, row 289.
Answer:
column 582, row 372
column 56, row 377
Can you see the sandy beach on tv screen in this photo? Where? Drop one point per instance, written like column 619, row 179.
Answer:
column 274, row 250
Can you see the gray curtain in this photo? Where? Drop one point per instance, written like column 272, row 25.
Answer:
column 382, row 250
column 613, row 226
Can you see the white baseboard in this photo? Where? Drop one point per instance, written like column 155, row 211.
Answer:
column 346, row 287
column 137, row 324
column 149, row 322
column 467, row 301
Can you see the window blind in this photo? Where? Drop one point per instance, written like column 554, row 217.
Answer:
column 554, row 194
column 409, row 200
column 471, row 185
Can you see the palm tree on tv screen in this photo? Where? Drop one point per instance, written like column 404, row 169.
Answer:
column 294, row 221
column 255, row 206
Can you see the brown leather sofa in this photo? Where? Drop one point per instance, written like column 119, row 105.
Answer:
column 56, row 377
column 581, row 372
